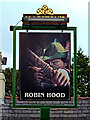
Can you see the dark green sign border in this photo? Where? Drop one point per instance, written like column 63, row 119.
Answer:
column 74, row 29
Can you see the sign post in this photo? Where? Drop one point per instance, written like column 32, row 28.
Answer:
column 44, row 60
column 44, row 113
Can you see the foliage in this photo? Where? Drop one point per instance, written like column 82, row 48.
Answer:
column 8, row 84
column 83, row 75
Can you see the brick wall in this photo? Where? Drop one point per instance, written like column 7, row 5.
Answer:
column 82, row 112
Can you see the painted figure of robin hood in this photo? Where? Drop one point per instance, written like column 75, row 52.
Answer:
column 55, row 74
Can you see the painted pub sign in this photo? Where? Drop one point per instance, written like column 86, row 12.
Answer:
column 44, row 58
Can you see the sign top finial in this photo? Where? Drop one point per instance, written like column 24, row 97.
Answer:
column 44, row 10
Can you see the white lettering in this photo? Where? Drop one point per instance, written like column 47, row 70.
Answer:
column 62, row 95
column 34, row 94
column 53, row 95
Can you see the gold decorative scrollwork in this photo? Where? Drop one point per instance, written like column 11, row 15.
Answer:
column 44, row 11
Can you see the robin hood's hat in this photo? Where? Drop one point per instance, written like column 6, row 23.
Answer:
column 54, row 51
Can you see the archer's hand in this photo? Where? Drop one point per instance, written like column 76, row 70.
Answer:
column 61, row 78
column 38, row 74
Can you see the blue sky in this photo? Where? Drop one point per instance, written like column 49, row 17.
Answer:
column 11, row 13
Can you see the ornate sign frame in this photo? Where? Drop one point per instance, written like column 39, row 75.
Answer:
column 74, row 29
